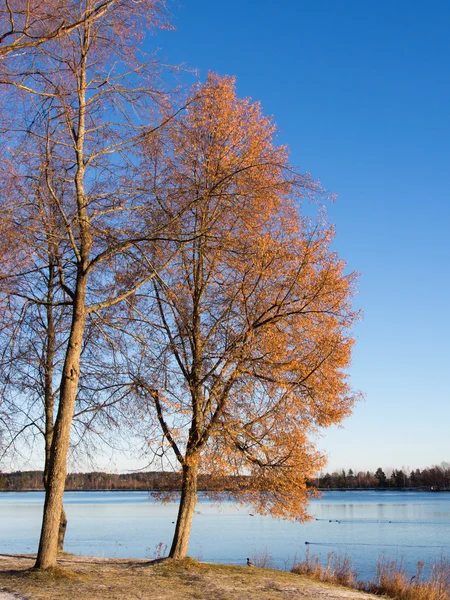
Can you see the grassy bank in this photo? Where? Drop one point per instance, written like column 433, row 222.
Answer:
column 107, row 579
column 391, row 578
column 118, row 579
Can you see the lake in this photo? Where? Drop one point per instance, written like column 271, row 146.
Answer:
column 407, row 526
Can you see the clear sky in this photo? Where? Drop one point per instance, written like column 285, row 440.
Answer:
column 361, row 94
column 360, row 90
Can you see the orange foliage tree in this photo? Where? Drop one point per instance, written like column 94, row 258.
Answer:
column 246, row 334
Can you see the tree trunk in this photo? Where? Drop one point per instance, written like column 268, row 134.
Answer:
column 63, row 519
column 62, row 529
column 49, row 399
column 57, row 469
column 188, row 501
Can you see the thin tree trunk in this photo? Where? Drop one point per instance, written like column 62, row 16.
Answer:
column 63, row 519
column 57, row 469
column 49, row 400
column 62, row 529
column 185, row 512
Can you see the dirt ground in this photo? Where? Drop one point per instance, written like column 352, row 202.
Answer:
column 120, row 579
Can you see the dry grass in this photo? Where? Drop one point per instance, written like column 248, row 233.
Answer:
column 391, row 579
column 337, row 570
column 119, row 579
column 108, row 579
column 263, row 559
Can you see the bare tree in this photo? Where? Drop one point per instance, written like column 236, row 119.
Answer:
column 33, row 342
column 88, row 100
column 26, row 24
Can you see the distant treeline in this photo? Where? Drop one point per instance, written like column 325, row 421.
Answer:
column 437, row 478
column 153, row 480
column 430, row 478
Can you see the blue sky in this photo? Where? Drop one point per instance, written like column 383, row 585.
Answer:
column 361, row 94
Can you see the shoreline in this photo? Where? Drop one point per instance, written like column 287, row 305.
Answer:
column 95, row 578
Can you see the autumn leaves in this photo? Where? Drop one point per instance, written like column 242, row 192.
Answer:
column 252, row 314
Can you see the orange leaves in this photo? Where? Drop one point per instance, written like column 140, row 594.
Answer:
column 255, row 308
column 223, row 150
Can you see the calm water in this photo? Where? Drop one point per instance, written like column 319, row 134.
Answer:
column 408, row 526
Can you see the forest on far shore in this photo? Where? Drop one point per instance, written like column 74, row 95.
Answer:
column 435, row 478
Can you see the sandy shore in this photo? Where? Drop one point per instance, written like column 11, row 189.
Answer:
column 88, row 578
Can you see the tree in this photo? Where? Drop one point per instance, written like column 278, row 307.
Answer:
column 33, row 346
column 350, row 478
column 381, row 477
column 27, row 24
column 87, row 100
column 249, row 350
column 31, row 341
